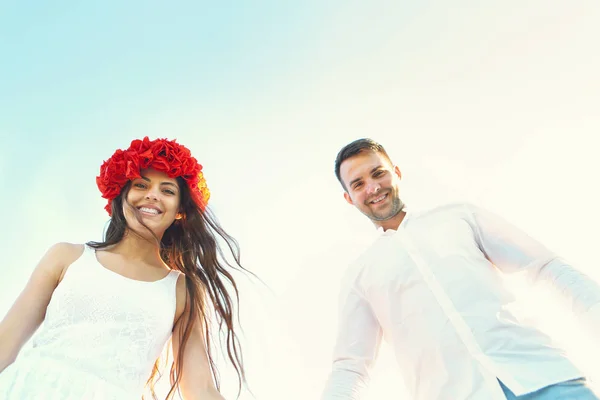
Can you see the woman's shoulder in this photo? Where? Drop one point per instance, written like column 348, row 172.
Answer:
column 181, row 288
column 180, row 295
column 57, row 258
column 66, row 252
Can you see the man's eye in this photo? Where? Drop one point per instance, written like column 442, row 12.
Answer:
column 357, row 185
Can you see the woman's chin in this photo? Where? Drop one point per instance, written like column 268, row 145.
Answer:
column 149, row 233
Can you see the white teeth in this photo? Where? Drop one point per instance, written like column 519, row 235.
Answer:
column 149, row 210
column 377, row 200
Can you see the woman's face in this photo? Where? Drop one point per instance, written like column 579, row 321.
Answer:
column 156, row 199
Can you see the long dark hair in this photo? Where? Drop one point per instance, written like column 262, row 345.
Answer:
column 191, row 245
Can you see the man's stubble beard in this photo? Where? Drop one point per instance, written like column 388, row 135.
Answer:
column 396, row 206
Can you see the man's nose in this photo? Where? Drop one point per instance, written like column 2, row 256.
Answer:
column 373, row 187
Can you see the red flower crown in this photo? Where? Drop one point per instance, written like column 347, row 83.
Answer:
column 163, row 155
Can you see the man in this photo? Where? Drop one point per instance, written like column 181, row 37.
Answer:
column 431, row 285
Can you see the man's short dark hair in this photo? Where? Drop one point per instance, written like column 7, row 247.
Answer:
column 354, row 148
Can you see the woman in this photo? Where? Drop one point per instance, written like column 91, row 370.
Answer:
column 108, row 308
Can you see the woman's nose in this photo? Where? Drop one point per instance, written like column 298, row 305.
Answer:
column 151, row 195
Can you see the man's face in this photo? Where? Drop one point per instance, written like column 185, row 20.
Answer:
column 372, row 186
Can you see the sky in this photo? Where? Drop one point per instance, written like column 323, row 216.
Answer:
column 491, row 103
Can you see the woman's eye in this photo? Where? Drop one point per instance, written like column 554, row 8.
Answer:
column 139, row 185
column 168, row 191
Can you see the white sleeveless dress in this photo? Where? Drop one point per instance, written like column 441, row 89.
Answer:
column 100, row 338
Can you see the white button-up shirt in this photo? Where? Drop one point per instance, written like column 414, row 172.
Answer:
column 433, row 290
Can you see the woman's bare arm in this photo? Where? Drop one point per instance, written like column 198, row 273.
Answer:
column 29, row 310
column 197, row 380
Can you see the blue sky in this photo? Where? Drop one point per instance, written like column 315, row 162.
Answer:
column 491, row 103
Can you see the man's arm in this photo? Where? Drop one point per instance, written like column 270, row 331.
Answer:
column 511, row 250
column 358, row 340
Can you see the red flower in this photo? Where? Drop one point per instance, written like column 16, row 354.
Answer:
column 161, row 154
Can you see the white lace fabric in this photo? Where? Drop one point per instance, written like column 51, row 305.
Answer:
column 100, row 338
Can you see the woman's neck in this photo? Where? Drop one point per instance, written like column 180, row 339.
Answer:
column 136, row 247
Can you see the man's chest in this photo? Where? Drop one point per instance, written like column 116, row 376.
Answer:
column 409, row 271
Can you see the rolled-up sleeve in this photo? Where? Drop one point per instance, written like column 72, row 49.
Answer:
column 356, row 348
column 512, row 250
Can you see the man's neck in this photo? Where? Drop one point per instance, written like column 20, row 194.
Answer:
column 392, row 223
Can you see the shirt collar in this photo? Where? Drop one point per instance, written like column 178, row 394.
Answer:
column 391, row 232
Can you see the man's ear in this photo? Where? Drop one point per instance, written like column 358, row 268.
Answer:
column 348, row 198
column 397, row 172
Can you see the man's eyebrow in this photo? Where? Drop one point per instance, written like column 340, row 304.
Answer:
column 354, row 181
column 358, row 179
